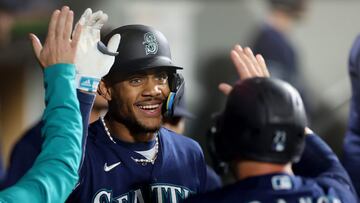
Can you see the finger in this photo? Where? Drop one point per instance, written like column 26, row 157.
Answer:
column 99, row 19
column 262, row 64
column 95, row 17
column 238, row 48
column 52, row 25
column 225, row 88
column 84, row 16
column 113, row 43
column 103, row 19
column 247, row 64
column 247, row 57
column 36, row 44
column 68, row 25
column 239, row 65
column 60, row 26
column 251, row 56
column 76, row 35
column 87, row 15
column 81, row 21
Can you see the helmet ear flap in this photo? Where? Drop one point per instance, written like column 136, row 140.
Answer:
column 177, row 86
column 232, row 143
column 223, row 144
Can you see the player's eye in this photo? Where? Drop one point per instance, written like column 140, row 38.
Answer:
column 135, row 81
column 161, row 77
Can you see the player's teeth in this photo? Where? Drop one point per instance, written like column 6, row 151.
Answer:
column 149, row 107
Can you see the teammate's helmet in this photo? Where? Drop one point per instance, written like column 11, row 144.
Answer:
column 141, row 47
column 264, row 120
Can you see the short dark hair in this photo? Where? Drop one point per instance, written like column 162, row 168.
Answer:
column 289, row 6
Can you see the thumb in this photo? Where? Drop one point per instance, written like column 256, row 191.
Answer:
column 113, row 43
column 36, row 44
column 225, row 88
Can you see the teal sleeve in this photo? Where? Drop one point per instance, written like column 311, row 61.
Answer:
column 55, row 171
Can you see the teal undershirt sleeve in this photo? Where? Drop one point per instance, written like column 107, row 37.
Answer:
column 55, row 171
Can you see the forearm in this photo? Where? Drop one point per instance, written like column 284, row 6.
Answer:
column 319, row 161
column 86, row 101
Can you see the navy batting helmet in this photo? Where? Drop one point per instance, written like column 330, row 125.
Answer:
column 264, row 120
column 141, row 47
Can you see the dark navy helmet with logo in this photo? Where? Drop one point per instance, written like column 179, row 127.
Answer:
column 264, row 120
column 141, row 47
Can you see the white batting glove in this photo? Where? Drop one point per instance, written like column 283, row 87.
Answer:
column 91, row 63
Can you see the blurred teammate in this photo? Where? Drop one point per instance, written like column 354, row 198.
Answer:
column 274, row 44
column 261, row 133
column 351, row 154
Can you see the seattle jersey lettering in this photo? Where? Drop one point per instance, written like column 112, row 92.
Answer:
column 160, row 193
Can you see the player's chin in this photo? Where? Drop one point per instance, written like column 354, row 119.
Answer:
column 151, row 125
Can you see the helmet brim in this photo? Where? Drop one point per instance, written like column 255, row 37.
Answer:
column 120, row 71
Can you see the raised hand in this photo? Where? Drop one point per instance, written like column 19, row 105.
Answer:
column 247, row 66
column 58, row 46
column 91, row 63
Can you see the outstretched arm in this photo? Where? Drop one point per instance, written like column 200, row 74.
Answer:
column 318, row 161
column 54, row 172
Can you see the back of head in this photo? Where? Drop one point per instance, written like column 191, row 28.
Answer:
column 291, row 7
column 264, row 121
column 141, row 48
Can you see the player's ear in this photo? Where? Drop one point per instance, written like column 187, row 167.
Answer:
column 104, row 90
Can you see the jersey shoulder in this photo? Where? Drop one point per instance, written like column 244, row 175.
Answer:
column 174, row 139
column 355, row 55
column 259, row 190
